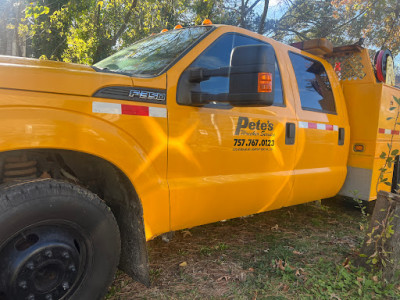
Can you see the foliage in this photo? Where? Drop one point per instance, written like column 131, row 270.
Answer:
column 382, row 231
column 297, row 24
column 377, row 20
column 87, row 31
column 390, row 156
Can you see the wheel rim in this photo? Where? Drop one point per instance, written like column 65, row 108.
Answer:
column 45, row 261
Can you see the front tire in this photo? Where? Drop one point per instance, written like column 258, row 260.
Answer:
column 57, row 241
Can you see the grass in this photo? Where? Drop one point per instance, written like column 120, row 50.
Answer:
column 301, row 252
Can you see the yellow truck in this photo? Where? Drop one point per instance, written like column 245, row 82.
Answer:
column 185, row 127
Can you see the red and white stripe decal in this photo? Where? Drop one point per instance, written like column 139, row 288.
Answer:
column 389, row 131
column 125, row 109
column 319, row 126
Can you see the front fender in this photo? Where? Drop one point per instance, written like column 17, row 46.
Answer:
column 26, row 127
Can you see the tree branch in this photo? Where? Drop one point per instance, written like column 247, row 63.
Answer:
column 263, row 17
column 124, row 25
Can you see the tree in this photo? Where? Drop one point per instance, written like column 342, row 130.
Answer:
column 298, row 23
column 11, row 42
column 378, row 21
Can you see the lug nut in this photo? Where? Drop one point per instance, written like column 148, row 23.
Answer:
column 65, row 285
column 65, row 254
column 30, row 265
column 49, row 297
column 31, row 297
column 23, row 285
column 72, row 268
column 48, row 253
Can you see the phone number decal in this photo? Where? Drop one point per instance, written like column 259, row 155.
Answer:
column 253, row 144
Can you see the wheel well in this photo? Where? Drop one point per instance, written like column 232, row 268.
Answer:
column 100, row 177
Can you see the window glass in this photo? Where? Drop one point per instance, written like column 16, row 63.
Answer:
column 314, row 87
column 218, row 55
column 152, row 55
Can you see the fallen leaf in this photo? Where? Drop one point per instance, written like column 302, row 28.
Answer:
column 375, row 279
column 183, row 264
column 359, row 279
column 275, row 227
column 186, row 233
column 266, row 250
column 285, row 288
column 346, row 263
column 280, row 265
column 297, row 252
column 251, row 270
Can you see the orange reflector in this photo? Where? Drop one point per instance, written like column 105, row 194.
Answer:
column 358, row 148
column 206, row 22
column 264, row 82
column 164, row 30
column 179, row 26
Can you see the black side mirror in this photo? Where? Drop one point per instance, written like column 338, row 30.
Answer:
column 251, row 79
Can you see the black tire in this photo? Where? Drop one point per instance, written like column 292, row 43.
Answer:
column 57, row 241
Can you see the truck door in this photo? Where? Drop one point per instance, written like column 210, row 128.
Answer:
column 323, row 130
column 225, row 161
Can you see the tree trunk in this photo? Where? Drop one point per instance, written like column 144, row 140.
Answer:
column 263, row 18
column 381, row 246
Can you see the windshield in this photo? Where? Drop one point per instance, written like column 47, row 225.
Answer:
column 152, row 55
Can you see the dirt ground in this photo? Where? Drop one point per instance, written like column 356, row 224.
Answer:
column 301, row 252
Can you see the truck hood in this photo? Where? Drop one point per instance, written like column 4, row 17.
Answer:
column 55, row 77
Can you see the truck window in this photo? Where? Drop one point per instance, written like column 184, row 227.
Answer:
column 218, row 55
column 153, row 55
column 314, row 87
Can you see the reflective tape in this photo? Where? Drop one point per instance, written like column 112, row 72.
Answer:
column 132, row 110
column 388, row 131
column 319, row 126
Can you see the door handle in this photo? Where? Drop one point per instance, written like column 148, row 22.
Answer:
column 341, row 137
column 290, row 133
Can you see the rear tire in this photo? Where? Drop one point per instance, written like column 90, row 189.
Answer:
column 57, row 241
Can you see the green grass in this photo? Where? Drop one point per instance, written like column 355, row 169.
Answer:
column 308, row 255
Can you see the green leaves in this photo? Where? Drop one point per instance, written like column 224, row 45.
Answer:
column 397, row 100
column 36, row 10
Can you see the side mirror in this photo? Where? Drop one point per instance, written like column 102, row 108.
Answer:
column 252, row 81
column 251, row 78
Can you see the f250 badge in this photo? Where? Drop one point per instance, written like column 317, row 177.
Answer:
column 147, row 95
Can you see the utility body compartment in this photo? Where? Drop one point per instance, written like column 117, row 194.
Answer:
column 374, row 121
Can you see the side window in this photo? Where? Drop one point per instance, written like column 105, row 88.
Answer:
column 314, row 87
column 218, row 55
